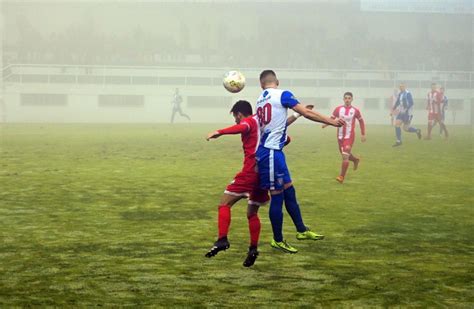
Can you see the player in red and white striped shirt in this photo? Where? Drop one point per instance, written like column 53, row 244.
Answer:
column 346, row 133
column 433, row 105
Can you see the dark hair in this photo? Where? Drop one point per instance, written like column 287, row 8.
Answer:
column 433, row 84
column 348, row 93
column 266, row 73
column 243, row 107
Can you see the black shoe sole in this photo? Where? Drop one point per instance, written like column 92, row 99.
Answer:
column 215, row 250
column 250, row 260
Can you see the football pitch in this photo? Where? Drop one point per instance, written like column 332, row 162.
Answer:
column 122, row 215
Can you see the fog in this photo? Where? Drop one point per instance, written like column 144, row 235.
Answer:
column 121, row 61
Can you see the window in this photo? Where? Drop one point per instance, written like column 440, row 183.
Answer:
column 144, row 80
column 172, row 80
column 43, row 99
column 330, row 83
column 304, row 82
column 199, row 81
column 207, row 101
column 118, row 80
column 107, row 100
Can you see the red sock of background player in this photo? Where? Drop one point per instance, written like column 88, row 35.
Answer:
column 345, row 165
column 254, row 229
column 223, row 220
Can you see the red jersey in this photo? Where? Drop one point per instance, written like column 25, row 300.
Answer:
column 349, row 115
column 250, row 135
column 433, row 102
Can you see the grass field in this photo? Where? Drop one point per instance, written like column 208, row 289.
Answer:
column 123, row 214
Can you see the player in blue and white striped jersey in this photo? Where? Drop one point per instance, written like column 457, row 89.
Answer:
column 272, row 108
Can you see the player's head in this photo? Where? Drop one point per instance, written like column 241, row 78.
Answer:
column 434, row 86
column 348, row 98
column 268, row 79
column 441, row 89
column 241, row 109
column 403, row 87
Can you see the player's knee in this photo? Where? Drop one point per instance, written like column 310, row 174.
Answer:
column 252, row 210
column 345, row 156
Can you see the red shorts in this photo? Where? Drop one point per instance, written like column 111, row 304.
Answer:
column 434, row 116
column 345, row 145
column 246, row 184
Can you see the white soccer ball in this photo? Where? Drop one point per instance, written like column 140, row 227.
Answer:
column 234, row 81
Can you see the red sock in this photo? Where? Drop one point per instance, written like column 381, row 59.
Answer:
column 254, row 229
column 345, row 165
column 223, row 220
column 352, row 158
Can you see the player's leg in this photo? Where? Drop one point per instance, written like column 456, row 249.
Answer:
column 442, row 126
column 355, row 160
column 254, row 229
column 183, row 114
column 173, row 113
column 293, row 209
column 430, row 126
column 268, row 169
column 398, row 131
column 234, row 192
column 223, row 223
column 408, row 128
column 345, row 154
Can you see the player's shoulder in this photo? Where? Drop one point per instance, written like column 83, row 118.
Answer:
column 250, row 121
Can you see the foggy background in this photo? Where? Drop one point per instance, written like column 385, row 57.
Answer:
column 121, row 61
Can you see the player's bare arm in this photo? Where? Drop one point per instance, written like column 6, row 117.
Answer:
column 295, row 116
column 235, row 129
column 317, row 117
column 325, row 125
column 362, row 129
column 211, row 135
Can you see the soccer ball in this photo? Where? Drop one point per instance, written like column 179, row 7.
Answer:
column 234, row 81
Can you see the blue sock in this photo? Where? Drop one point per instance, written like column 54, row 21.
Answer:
column 398, row 131
column 293, row 209
column 412, row 130
column 276, row 216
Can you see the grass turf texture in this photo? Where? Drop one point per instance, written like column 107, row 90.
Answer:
column 123, row 214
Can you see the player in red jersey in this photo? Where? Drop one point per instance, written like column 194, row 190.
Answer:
column 245, row 183
column 433, row 105
column 346, row 133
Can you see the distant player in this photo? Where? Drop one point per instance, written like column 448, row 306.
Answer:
column 394, row 99
column 443, row 109
column 404, row 105
column 433, row 105
column 177, row 100
column 272, row 107
column 346, row 133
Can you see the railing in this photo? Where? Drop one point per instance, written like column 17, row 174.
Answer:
column 208, row 76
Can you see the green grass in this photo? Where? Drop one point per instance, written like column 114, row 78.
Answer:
column 123, row 214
